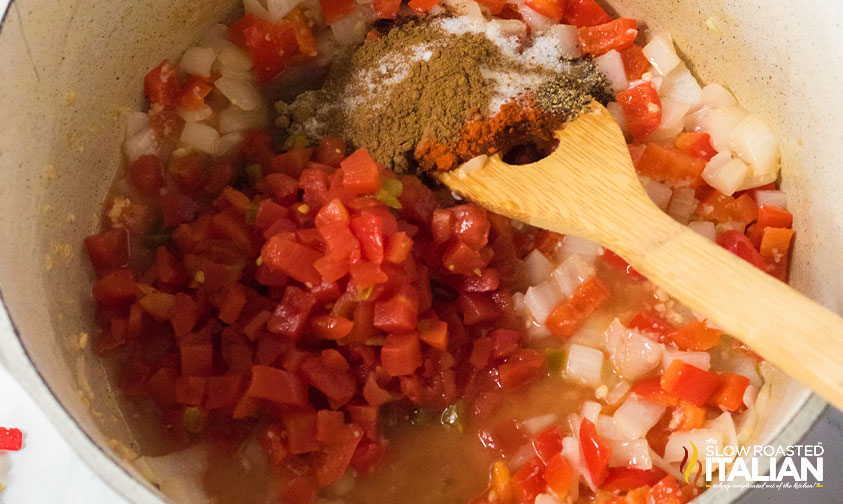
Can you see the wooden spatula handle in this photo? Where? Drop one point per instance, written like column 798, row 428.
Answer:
column 788, row 329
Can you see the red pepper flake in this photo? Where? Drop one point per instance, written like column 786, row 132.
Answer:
column 10, row 439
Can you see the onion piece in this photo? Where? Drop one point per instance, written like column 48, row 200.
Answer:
column 750, row 395
column 187, row 462
column 570, row 274
column 661, row 54
column 545, row 499
column 584, row 364
column 591, row 411
column 277, row 9
column 683, row 204
column 537, row 268
column 537, row 424
column 194, row 115
column 216, row 38
column 611, row 65
column 587, row 249
column 256, row 8
column 660, row 193
column 618, row 392
column 198, row 61
column 771, row 198
column 227, row 143
column 616, row 110
column 239, row 92
column 135, row 122
column 696, row 121
column 725, row 424
column 673, row 114
column 542, row 299
column 200, row 136
column 636, row 416
column 234, row 62
column 185, row 490
column 681, row 86
column 701, row 360
column 727, row 177
column 351, row 30
column 141, row 143
column 632, row 354
column 633, row 454
column 754, row 142
column 235, row 119
column 720, row 122
column 704, row 228
column 536, row 22
column 606, row 428
column 716, row 96
column 568, row 38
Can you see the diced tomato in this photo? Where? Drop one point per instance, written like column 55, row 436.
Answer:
column 337, row 455
column 115, row 289
column 461, row 259
column 650, row 322
column 635, row 62
column 481, row 352
column 584, row 13
column 281, row 253
column 721, row 208
column 398, row 248
column 158, row 304
column 193, row 93
column 108, row 250
column 696, row 144
column 146, row 173
column 11, row 439
column 417, row 200
column 386, row 9
column 477, row 308
column 422, row 5
column 495, row 6
column 292, row 162
column 232, row 303
column 334, row 10
column 398, row 314
column 401, row 354
column 270, row 45
column 689, row 382
column 300, row 490
column 277, row 385
column 775, row 250
column 360, row 173
column 600, row 39
column 301, row 432
column 523, row 366
column 738, row 244
column 434, row 333
column 196, row 359
column 471, row 225
column 161, row 84
column 291, row 314
column 729, row 394
column 330, row 328
column 548, row 443
column 695, row 336
column 642, row 109
column 670, row 165
column 529, row 482
column 177, row 208
column 369, row 231
column 553, row 9
column 595, row 452
column 770, row 216
column 624, row 479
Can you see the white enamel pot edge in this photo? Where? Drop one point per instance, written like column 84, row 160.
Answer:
column 40, row 71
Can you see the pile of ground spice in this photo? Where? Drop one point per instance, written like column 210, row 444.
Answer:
column 425, row 96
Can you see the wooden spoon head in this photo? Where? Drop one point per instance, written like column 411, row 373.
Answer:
column 589, row 174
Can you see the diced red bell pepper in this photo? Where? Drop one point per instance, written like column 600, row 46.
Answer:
column 232, row 303
column 695, row 336
column 374, row 393
column 422, row 5
column 718, row 207
column 334, row 10
column 670, row 165
column 642, row 109
column 691, row 416
column 651, row 390
column 572, row 313
column 300, row 490
column 386, row 9
column 147, row 173
column 584, row 13
column 495, row 6
column 770, row 216
column 553, row 9
column 528, row 482
column 595, row 452
column 368, row 229
column 696, row 144
column 635, row 63
column 367, row 455
column 617, row 261
column 338, row 386
column 328, row 424
column 330, row 328
column 278, row 386
column 665, row 491
column 738, row 244
column 337, row 454
column 115, row 289
column 548, row 443
column 190, row 390
column 434, row 333
column 301, row 432
column 649, row 322
column 401, row 354
column 193, row 92
column 689, row 382
column 559, row 475
column 600, row 39
column 161, row 84
column 108, row 250
column 196, row 359
column 775, row 250
column 729, row 393
column 624, row 479
column 11, row 439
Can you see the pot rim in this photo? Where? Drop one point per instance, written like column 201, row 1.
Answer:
column 115, row 473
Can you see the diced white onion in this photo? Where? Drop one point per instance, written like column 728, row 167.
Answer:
column 696, row 121
column 227, row 143
column 722, row 227
column 633, row 454
column 725, row 424
column 538, row 331
column 716, row 96
column 187, row 462
column 618, row 392
column 616, row 111
column 235, row 119
column 591, row 411
column 509, row 29
column 571, row 451
column 683, row 204
column 142, row 142
column 198, row 61
column 704, row 228
column 607, row 429
column 701, row 360
column 537, row 424
column 534, row 20
column 755, row 143
column 726, row 178
column 771, row 198
column 750, row 395
column 546, row 499
column 185, row 490
column 661, row 54
column 568, row 38
column 720, row 122
column 585, row 248
column 135, row 122
column 673, row 114
column 632, row 354
column 256, row 8
column 194, row 115
column 234, row 62
column 585, row 365
column 542, row 299
column 678, row 440
column 681, row 86
column 537, row 268
column 636, row 416
column 351, row 30
column 659, row 193
column 277, row 9
column 239, row 92
column 570, row 274
column 201, row 137
column 216, row 38
column 611, row 65
column 467, row 9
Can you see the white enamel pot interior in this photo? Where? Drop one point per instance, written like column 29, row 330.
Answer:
column 69, row 70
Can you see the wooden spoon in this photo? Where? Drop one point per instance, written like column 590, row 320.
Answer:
column 588, row 187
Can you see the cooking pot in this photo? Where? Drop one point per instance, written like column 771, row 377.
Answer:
column 69, row 70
